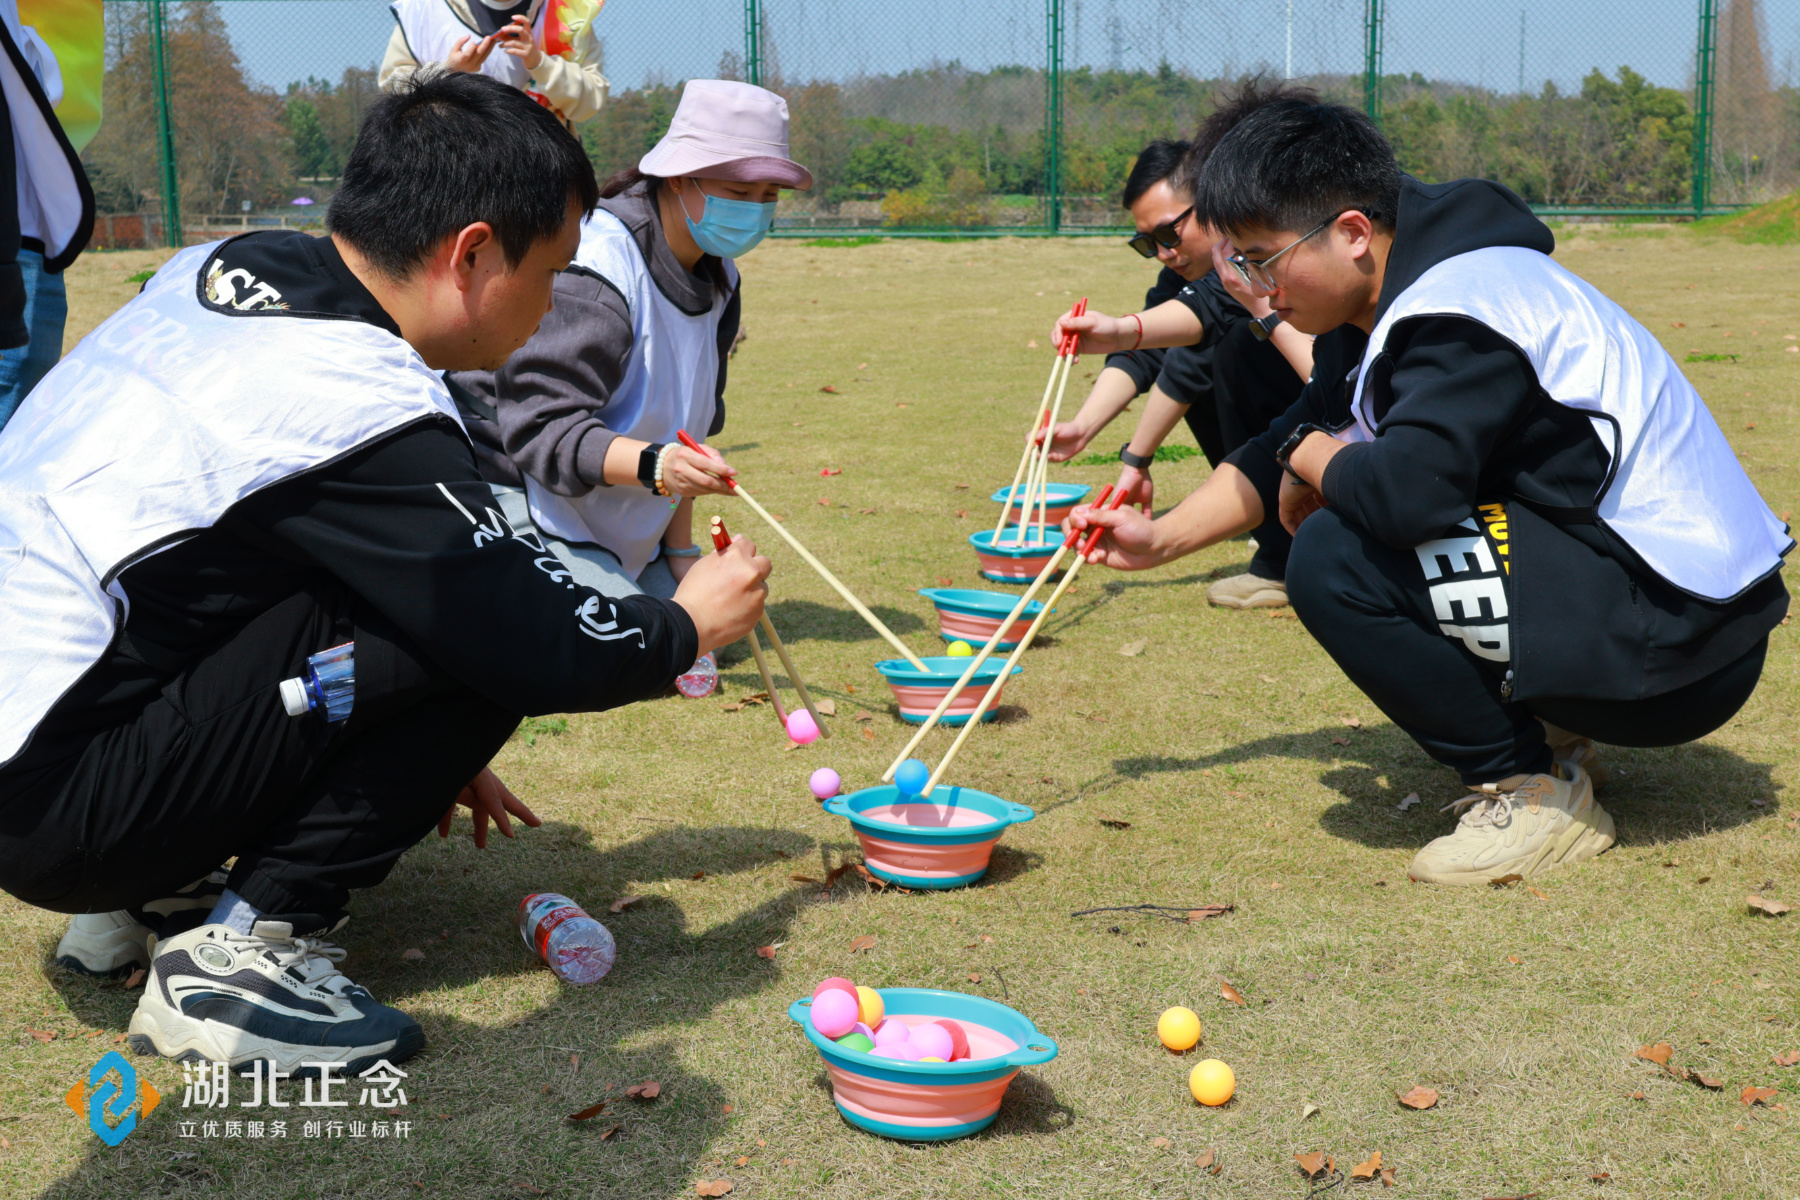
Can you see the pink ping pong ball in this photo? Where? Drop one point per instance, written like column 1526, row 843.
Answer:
column 825, row 783
column 959, row 1039
column 834, row 1013
column 802, row 728
column 835, row 983
column 891, row 1033
column 932, row 1041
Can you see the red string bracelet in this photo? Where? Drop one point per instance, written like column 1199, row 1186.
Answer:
column 1140, row 336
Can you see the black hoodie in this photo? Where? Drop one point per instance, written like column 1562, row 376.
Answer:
column 1462, row 420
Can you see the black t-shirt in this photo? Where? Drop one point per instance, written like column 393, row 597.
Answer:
column 489, row 20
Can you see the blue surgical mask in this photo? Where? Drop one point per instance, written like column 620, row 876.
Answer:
column 730, row 228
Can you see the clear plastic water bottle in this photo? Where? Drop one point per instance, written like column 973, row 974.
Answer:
column 329, row 683
column 577, row 947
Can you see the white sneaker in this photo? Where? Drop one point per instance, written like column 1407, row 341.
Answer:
column 114, row 944
column 224, row 996
column 1248, row 591
column 1522, row 825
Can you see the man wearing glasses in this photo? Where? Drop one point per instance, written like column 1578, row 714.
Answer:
column 1222, row 371
column 1516, row 525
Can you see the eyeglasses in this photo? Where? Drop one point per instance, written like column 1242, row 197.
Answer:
column 1166, row 235
column 1256, row 274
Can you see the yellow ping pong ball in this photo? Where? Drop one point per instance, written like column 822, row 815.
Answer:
column 1212, row 1082
column 960, row 649
column 1179, row 1029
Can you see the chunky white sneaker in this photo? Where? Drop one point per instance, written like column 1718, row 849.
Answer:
column 1248, row 591
column 114, row 944
column 1568, row 747
column 224, row 996
column 1522, row 825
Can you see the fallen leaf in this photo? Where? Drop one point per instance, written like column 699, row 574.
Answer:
column 1353, row 722
column 974, row 976
column 1600, row 1176
column 698, row 875
column 1763, row 904
column 1159, row 1143
column 622, row 903
column 590, row 1112
column 1387, row 1177
column 1205, row 1161
column 1267, row 678
column 765, row 952
column 828, row 471
column 1227, row 992
column 830, row 391
column 743, row 1160
column 1703, row 879
column 1311, row 1165
column 836, row 873
column 868, row 734
column 874, row 880
column 136, row 978
column 1340, row 741
column 1637, row 1095
column 1678, row 324
column 1658, row 1054
column 1307, row 1110
column 1706, row 1081
column 733, row 708
column 1505, row 880
column 1031, row 345
column 867, row 512
column 827, row 708
column 863, row 715
column 865, row 942
column 1534, row 891
column 823, row 501
column 1368, row 1169
column 900, row 406
column 647, row 1090
column 1421, row 1097
column 1758, row 1095
column 1208, row 911
column 803, row 879
column 1131, row 649
column 1112, row 824
column 42, row 1035
column 1412, row 798
column 1790, row 1059
column 961, row 513
column 713, row 1187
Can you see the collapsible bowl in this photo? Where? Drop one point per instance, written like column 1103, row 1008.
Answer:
column 931, row 1102
column 972, row 616
column 920, row 692
column 1060, row 500
column 943, row 842
column 1011, row 558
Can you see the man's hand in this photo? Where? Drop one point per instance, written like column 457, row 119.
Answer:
column 516, row 40
column 1098, row 333
column 1068, row 439
column 469, row 53
column 487, row 797
column 1255, row 305
column 1134, row 484
column 1298, row 501
column 1129, row 543
column 686, row 473
column 724, row 593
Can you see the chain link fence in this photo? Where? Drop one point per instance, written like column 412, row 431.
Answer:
column 941, row 118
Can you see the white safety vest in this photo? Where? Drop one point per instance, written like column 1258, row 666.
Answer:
column 670, row 383
column 1675, row 492
column 56, row 205
column 157, row 422
column 432, row 28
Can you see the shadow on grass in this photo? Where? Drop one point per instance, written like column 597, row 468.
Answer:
column 798, row 620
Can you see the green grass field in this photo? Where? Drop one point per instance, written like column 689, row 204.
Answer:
column 1225, row 748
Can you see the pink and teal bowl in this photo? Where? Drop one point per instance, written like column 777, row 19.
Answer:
column 920, row 692
column 944, row 842
column 931, row 1102
column 971, row 615
column 1012, row 558
column 1059, row 500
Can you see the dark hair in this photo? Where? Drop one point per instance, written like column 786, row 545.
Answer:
column 1292, row 164
column 624, row 181
column 446, row 149
column 1230, row 108
column 1156, row 162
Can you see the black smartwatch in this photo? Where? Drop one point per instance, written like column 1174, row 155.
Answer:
column 1139, row 462
column 1262, row 327
column 647, row 464
column 1292, row 444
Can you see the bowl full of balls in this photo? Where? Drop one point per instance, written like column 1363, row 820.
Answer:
column 944, row 841
column 917, row 1064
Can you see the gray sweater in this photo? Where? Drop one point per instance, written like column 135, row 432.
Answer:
column 543, row 414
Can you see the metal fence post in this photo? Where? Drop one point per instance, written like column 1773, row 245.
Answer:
column 753, row 64
column 165, row 136
column 1053, row 115
column 1372, row 61
column 1705, row 51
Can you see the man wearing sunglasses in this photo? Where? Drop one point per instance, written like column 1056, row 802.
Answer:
column 1516, row 525
column 1221, row 371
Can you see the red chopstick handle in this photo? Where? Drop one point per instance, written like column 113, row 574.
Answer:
column 1094, row 537
column 721, row 539
column 1075, row 534
column 691, row 444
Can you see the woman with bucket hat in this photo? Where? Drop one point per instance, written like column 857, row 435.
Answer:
column 576, row 432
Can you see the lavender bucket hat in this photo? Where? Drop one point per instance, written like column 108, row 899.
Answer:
column 727, row 130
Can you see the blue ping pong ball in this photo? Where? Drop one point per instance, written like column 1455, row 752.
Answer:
column 912, row 777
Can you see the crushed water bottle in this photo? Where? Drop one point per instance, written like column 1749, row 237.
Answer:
column 329, row 683
column 577, row 948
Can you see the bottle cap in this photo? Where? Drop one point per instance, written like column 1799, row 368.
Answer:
column 294, row 697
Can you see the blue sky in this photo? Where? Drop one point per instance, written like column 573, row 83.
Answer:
column 280, row 40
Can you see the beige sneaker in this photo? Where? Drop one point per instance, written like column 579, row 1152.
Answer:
column 1248, row 591
column 1523, row 825
column 1569, row 747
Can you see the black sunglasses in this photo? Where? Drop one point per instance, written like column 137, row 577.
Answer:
column 1166, row 235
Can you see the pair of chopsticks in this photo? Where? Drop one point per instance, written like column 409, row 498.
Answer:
column 1034, row 460
column 721, row 543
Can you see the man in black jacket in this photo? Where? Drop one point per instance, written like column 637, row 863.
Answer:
column 295, row 477
column 1516, row 526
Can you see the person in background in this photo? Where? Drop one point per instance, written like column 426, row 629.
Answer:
column 577, row 432
column 546, row 48
column 53, row 57
column 1230, row 367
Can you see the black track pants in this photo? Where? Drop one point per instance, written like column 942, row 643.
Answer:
column 1254, row 385
column 214, row 767
column 1370, row 606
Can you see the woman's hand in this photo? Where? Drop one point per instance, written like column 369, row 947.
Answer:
column 687, row 474
column 1068, row 439
column 1298, row 501
column 1129, row 543
column 487, row 797
column 468, row 54
column 1257, row 306
column 516, row 40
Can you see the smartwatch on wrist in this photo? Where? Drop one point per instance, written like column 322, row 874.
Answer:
column 1286, row 452
column 1140, row 462
column 1262, row 327
column 646, row 469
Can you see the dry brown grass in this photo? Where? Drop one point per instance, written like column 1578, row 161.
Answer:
column 1360, row 986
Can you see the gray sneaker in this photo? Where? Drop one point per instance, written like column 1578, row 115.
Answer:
column 111, row 945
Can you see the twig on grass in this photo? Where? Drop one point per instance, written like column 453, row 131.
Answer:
column 1169, row 912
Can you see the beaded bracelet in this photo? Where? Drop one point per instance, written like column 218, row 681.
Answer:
column 662, row 458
